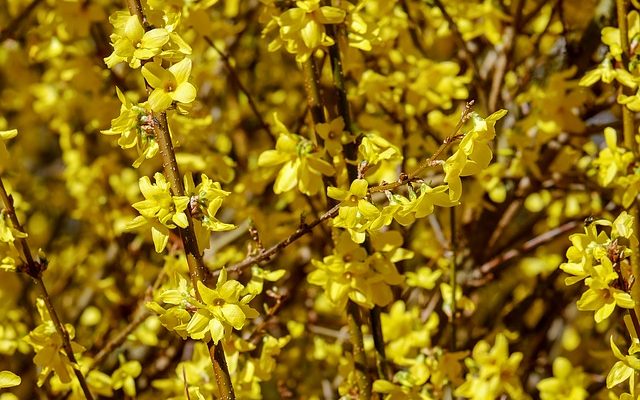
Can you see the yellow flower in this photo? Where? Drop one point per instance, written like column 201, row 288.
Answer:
column 221, row 309
column 302, row 28
column 303, row 163
column 606, row 73
column 626, row 367
column 132, row 125
column 169, row 85
column 493, row 372
column 473, row 154
column 159, row 209
column 567, row 383
column 350, row 274
column 611, row 35
column 131, row 43
column 331, row 132
column 601, row 297
column 4, row 154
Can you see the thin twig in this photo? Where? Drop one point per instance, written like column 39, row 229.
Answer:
column 384, row 369
column 506, row 54
column 140, row 315
column 431, row 161
column 236, row 80
column 12, row 28
column 480, row 275
column 350, row 149
column 35, row 269
column 305, row 228
column 302, row 230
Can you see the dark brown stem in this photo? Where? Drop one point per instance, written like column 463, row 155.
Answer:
column 384, row 370
column 221, row 371
column 350, row 149
column 197, row 269
column 528, row 246
column 302, row 230
column 12, row 28
column 312, row 89
column 506, row 54
column 34, row 270
column 359, row 355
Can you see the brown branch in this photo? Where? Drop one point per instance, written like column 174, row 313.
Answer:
column 505, row 56
column 35, row 269
column 305, row 228
column 354, row 322
column 236, row 80
column 431, row 161
column 11, row 29
column 140, row 315
column 483, row 274
column 463, row 45
column 197, row 269
column 302, row 230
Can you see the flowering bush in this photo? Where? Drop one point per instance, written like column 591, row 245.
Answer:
column 311, row 199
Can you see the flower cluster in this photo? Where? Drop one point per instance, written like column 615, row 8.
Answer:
column 493, row 372
column 301, row 29
column 212, row 316
column 350, row 273
column 601, row 260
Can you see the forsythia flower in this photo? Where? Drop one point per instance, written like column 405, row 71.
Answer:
column 355, row 211
column 205, row 201
column 9, row 379
column 302, row 28
column 303, row 165
column 567, row 383
column 131, row 43
column 159, row 205
column 606, row 73
column 331, row 133
column 350, row 274
column 591, row 257
column 626, row 367
column 473, row 153
column 221, row 309
column 612, row 166
column 124, row 376
column 47, row 343
column 169, row 85
column 132, row 125
column 601, row 297
column 493, row 372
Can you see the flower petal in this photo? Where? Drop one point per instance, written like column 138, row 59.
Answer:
column 155, row 75
column 181, row 70
column 184, row 93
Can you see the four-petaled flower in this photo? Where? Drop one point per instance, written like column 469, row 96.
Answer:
column 169, row 85
column 221, row 309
